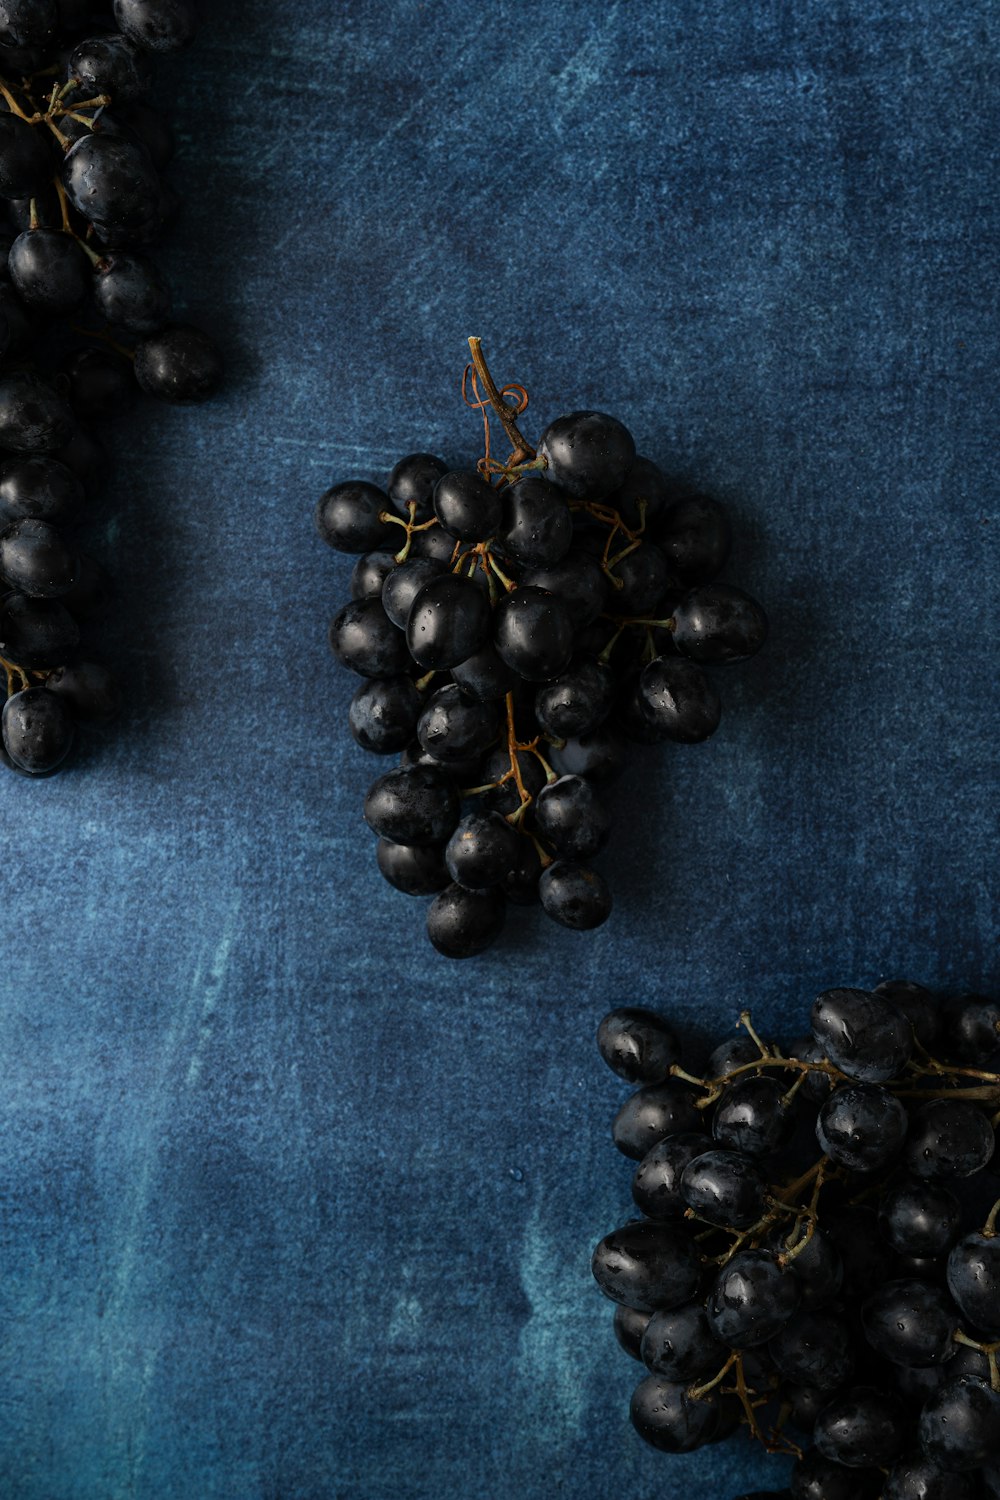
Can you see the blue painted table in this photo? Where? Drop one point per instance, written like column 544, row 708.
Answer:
column 292, row 1209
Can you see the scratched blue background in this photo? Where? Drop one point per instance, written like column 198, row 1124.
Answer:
column 292, row 1209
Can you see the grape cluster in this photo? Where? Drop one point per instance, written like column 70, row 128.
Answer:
column 83, row 201
column 818, row 1253
column 516, row 625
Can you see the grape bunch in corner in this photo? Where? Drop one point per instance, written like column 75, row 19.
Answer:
column 85, row 324
column 517, row 625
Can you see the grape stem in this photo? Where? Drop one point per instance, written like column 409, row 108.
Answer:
column 523, row 451
column 990, row 1227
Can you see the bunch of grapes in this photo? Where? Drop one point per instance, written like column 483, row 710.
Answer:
column 81, row 157
column 818, row 1252
column 516, row 624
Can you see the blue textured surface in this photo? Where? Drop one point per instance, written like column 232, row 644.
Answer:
column 292, row 1209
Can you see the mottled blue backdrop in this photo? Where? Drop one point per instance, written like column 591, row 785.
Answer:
column 291, row 1208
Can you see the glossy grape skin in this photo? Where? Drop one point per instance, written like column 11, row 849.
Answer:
column 403, row 584
column 918, row 1479
column 369, row 574
column 569, row 816
column 752, row 1116
column 862, row 1034
column 110, row 65
column 724, row 1188
column 348, row 518
column 917, row 1004
column 49, row 270
column 910, row 1323
column 656, row 1186
column 467, row 507
column 434, row 543
column 157, row 25
column 578, row 581
column 948, row 1138
column 734, row 1052
column 34, row 419
column 861, row 1428
column 416, row 870
column 25, row 164
column 600, row 755
column 668, row 1417
column 413, row 805
column 695, row 536
column 35, row 560
column 533, row 634
column 814, row 1349
column 412, row 482
column 482, row 851
column 364, row 639
column 861, row 1126
column 449, row 621
column 645, row 481
column 462, row 924
column 383, row 714
column 646, row 1266
column 484, row 676
column 652, row 1113
column 37, row 730
column 974, row 1281
column 537, row 528
column 36, row 633
column 678, row 1344
column 180, row 365
column 578, row 701
column 638, row 1045
column 574, row 895
column 131, row 293
column 101, row 385
column 817, row 1478
column 91, row 691
column 919, row 1218
column 751, row 1300
column 111, row 180
column 678, row 700
column 959, row 1427
column 972, row 1031
column 719, row 623
column 630, row 1325
column 454, row 728
column 818, row 1268
column 588, row 453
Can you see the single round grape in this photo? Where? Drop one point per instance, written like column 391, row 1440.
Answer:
column 974, row 1280
column 695, row 535
column 537, row 528
column 588, row 453
column 864, row 1035
column 910, row 1323
column 28, row 23
column 643, row 496
column 574, row 896
column 101, row 385
column 677, row 699
column 369, row 573
column 638, row 1045
column 462, row 923
column 656, row 1186
column 753, row 1116
column 734, row 1052
column 110, row 65
column 348, row 518
column 919, row 1479
column 449, row 621
column 111, row 180
column 919, row 1218
column 49, row 270
column 383, row 714
column 131, row 293
column 484, row 676
column 724, row 1188
column 25, row 163
column 434, row 543
column 414, row 869
column 578, row 701
column 482, row 851
column 751, row 1300
column 413, row 805
column 917, row 1004
column 678, row 1344
column 862, row 1428
column 719, row 623
column 91, row 691
column 668, row 1417
column 36, row 633
column 959, row 1427
column 403, row 584
column 578, row 581
column 454, row 728
column 599, row 755
column 412, row 482
column 814, row 1349
column 179, row 364
column 948, row 1138
column 533, row 634
column 653, row 1113
column 972, row 1031
column 817, row 1478
column 364, row 639
column 861, row 1126
column 570, row 817
column 467, row 507
column 157, row 25
column 35, row 560
column 37, row 729
column 33, row 417
column 646, row 1266
column 629, row 1326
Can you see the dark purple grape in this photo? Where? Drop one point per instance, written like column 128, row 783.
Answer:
column 863, row 1034
column 638, row 1045
column 413, row 805
column 629, row 1326
column 656, row 1186
column 818, row 1268
column 653, row 1113
column 577, row 702
column 369, row 574
column 364, row 639
column 679, row 1345
column 462, row 924
column 157, row 25
column 111, row 180
column 35, row 559
column 574, row 895
column 454, row 729
column 646, row 1266
column 754, row 1116
column 948, row 1138
column 817, row 1478
column 33, row 417
column 671, row 1419
column 919, row 1218
column 917, row 1005
column 537, row 528
column 919, row 1479
column 482, row 851
column 639, row 579
column 402, row 585
column 449, row 621
column 180, row 365
column 972, row 1031
column 959, row 1427
column 467, row 506
column 643, row 496
column 110, row 65
column 28, row 23
column 695, row 536
column 676, row 698
column 588, row 453
column 49, row 270
column 600, row 755
column 861, row 1126
column 719, row 623
column 533, row 634
column 974, row 1280
column 414, row 869
column 37, row 633
column 724, row 1188
column 383, row 714
column 862, row 1428
column 579, row 581
column 37, row 730
column 348, row 518
column 569, row 816
column 131, row 293
column 484, row 676
column 751, row 1300
column 412, row 482
column 910, row 1323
